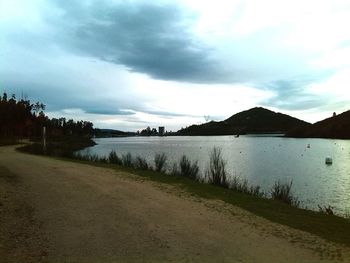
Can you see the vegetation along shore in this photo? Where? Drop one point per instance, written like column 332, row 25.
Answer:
column 65, row 210
column 278, row 205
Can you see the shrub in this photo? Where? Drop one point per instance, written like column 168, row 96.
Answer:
column 239, row 185
column 160, row 162
column 127, row 160
column 282, row 192
column 216, row 172
column 347, row 213
column 81, row 157
column 175, row 170
column 188, row 169
column 35, row 148
column 326, row 210
column 256, row 191
column 114, row 158
column 141, row 163
column 103, row 159
column 94, row 158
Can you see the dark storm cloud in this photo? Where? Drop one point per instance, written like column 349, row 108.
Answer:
column 58, row 98
column 75, row 99
column 147, row 38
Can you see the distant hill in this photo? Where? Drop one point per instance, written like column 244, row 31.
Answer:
column 255, row 120
column 337, row 127
column 111, row 133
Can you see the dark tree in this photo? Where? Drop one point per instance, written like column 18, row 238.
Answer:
column 23, row 119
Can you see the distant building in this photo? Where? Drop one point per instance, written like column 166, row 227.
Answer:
column 161, row 131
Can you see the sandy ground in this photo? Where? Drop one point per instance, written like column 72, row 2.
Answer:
column 57, row 211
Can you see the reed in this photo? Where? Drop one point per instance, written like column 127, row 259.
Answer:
column 160, row 160
column 141, row 163
column 216, row 173
column 282, row 192
column 127, row 160
column 188, row 169
column 114, row 158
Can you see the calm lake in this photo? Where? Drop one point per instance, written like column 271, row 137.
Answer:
column 261, row 160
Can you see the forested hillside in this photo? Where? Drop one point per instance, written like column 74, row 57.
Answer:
column 336, row 127
column 255, row 120
column 24, row 119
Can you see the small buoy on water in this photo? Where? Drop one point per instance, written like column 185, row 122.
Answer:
column 328, row 160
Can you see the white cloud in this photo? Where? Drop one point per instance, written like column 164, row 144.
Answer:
column 338, row 58
column 336, row 87
column 198, row 99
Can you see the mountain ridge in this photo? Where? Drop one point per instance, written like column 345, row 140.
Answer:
column 336, row 127
column 254, row 120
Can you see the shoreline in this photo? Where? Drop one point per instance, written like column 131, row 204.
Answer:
column 112, row 191
column 276, row 211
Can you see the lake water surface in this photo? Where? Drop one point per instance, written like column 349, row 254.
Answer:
column 261, row 160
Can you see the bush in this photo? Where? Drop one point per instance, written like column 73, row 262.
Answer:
column 188, row 169
column 79, row 156
column 141, row 163
column 239, row 185
column 347, row 214
column 114, row 158
column 35, row 148
column 174, row 170
column 64, row 146
column 160, row 162
column 216, row 172
column 94, row 158
column 282, row 192
column 326, row 210
column 256, row 191
column 127, row 160
column 103, row 159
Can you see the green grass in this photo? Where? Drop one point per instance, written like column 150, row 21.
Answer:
column 332, row 228
column 60, row 146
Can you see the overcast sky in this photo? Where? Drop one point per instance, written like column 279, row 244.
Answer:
column 132, row 64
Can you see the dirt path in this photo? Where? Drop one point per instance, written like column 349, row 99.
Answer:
column 56, row 211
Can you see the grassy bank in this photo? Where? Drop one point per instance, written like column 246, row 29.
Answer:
column 279, row 205
column 329, row 227
column 62, row 146
column 283, row 209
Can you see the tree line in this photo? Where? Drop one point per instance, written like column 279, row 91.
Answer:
column 24, row 119
column 148, row 132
